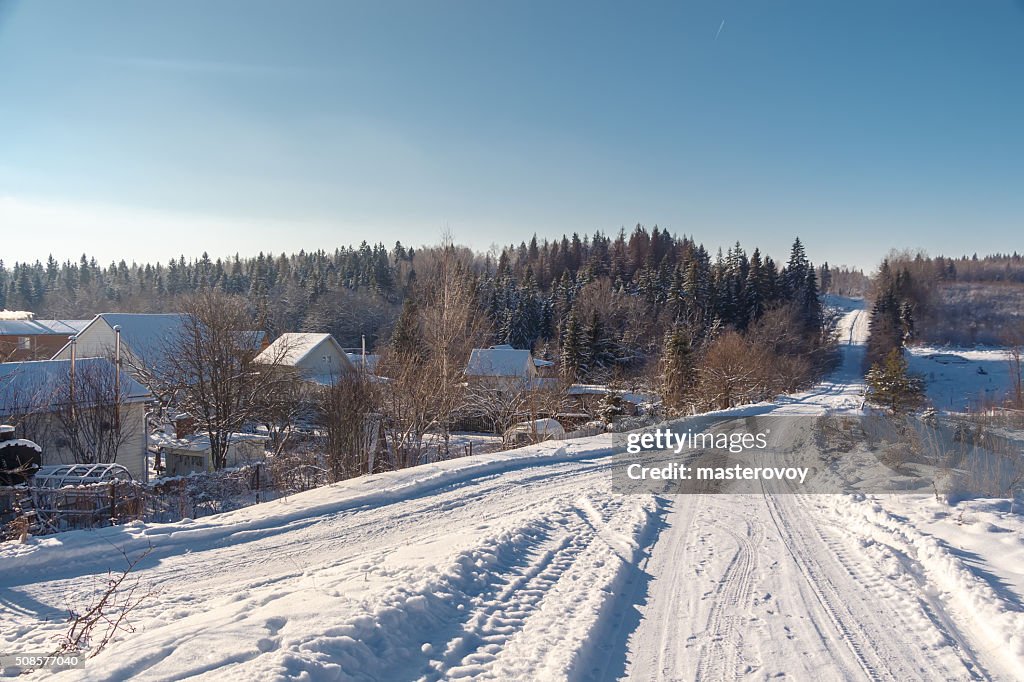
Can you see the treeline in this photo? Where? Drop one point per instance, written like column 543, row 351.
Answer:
column 603, row 306
column 965, row 300
column 599, row 305
column 306, row 291
column 939, row 300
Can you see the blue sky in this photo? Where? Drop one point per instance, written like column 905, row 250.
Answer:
column 143, row 129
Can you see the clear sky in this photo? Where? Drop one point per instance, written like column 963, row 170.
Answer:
column 141, row 129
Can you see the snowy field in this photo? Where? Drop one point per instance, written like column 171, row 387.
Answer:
column 527, row 565
column 958, row 380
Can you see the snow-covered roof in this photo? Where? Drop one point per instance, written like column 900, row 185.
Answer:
column 42, row 385
column 357, row 360
column 41, row 327
column 292, row 348
column 500, row 362
column 200, row 442
column 589, row 389
column 146, row 335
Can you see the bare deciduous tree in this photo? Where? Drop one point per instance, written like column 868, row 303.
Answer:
column 426, row 362
column 731, row 372
column 209, row 369
column 506, row 404
column 347, row 411
column 92, row 412
column 1014, row 339
column 452, row 325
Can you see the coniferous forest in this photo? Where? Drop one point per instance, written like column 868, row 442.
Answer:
column 601, row 306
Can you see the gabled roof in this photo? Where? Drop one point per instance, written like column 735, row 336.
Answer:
column 42, row 385
column 145, row 334
column 292, row 348
column 500, row 361
column 41, row 327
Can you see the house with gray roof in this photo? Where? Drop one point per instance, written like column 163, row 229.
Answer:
column 87, row 413
column 31, row 339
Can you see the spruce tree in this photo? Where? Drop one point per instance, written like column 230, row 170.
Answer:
column 795, row 275
column 679, row 369
column 406, row 339
column 573, row 352
column 890, row 385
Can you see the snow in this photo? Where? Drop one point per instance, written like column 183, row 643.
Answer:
column 200, row 442
column 16, row 315
column 368, row 361
column 20, row 442
column 547, row 427
column 529, row 565
column 30, row 327
column 291, row 348
column 500, row 362
column 953, row 381
column 38, row 384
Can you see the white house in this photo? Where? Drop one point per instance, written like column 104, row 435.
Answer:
column 315, row 357
column 36, row 398
column 144, row 337
column 502, row 366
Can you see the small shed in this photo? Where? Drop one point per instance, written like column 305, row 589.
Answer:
column 183, row 456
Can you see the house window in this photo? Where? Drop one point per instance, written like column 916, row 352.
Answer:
column 24, row 343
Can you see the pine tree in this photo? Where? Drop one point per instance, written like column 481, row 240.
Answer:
column 826, row 278
column 611, row 407
column 811, row 305
column 754, row 294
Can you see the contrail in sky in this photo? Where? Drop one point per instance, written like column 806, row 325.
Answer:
column 720, row 27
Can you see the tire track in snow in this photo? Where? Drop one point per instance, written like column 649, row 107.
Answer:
column 722, row 651
column 879, row 622
column 824, row 593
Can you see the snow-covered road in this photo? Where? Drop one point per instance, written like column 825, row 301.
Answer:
column 528, row 565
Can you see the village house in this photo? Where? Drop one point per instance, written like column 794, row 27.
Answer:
column 94, row 418
column 318, row 358
column 145, row 339
column 184, row 454
column 504, row 367
column 30, row 339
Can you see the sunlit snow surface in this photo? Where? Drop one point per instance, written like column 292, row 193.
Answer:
column 526, row 565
